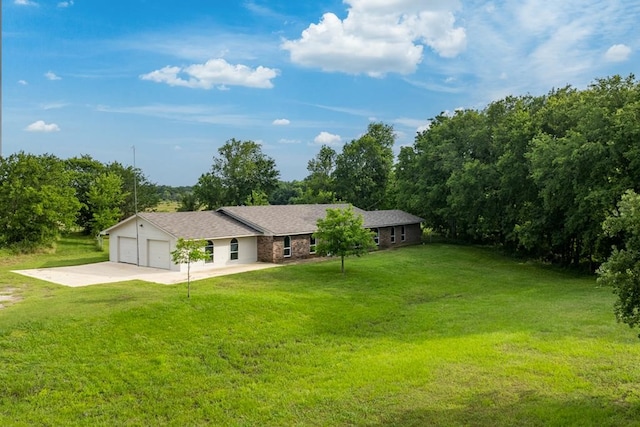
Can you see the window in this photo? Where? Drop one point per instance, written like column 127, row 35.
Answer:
column 312, row 245
column 287, row 246
column 403, row 235
column 208, row 249
column 393, row 234
column 376, row 238
column 234, row 248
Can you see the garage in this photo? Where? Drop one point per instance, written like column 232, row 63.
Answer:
column 159, row 255
column 127, row 250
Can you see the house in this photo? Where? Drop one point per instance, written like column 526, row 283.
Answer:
column 244, row 234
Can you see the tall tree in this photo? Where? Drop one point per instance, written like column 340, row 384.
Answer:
column 37, row 201
column 84, row 171
column 319, row 184
column 341, row 233
column 240, row 169
column 364, row 167
column 622, row 270
column 104, row 199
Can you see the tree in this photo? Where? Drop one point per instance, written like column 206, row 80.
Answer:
column 364, row 167
column 146, row 192
column 240, row 169
column 287, row 193
column 341, row 233
column 186, row 252
column 84, row 170
column 622, row 270
column 37, row 201
column 188, row 203
column 319, row 184
column 104, row 199
column 257, row 198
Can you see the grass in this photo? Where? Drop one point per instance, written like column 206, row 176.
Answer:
column 429, row 335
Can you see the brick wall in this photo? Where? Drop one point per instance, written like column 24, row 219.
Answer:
column 265, row 249
column 412, row 236
column 271, row 248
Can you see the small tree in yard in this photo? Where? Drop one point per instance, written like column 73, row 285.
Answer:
column 341, row 233
column 186, row 252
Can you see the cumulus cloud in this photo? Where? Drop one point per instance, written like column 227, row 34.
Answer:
column 65, row 3
column 378, row 37
column 281, row 122
column 618, row 53
column 41, row 126
column 25, row 3
column 23, row 82
column 289, row 141
column 214, row 72
column 50, row 75
column 326, row 138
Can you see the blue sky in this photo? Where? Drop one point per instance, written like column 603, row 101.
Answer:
column 178, row 79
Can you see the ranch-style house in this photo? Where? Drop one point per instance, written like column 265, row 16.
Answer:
column 244, row 234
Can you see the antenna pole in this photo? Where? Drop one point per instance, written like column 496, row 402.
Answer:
column 135, row 205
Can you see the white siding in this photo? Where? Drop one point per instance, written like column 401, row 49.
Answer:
column 247, row 253
column 154, row 248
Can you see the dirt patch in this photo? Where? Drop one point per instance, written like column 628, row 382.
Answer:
column 8, row 297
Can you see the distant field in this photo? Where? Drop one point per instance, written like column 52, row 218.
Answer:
column 167, row 206
column 430, row 335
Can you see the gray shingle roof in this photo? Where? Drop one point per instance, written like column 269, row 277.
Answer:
column 389, row 218
column 198, row 225
column 281, row 220
column 301, row 219
column 276, row 220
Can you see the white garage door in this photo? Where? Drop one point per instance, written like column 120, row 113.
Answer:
column 159, row 256
column 127, row 251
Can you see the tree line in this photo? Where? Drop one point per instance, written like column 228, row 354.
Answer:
column 537, row 175
column 42, row 196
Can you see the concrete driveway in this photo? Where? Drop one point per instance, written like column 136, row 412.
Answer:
column 111, row 272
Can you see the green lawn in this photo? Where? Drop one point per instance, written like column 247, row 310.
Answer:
column 431, row 335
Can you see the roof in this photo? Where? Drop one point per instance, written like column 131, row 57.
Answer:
column 273, row 220
column 389, row 218
column 281, row 220
column 195, row 225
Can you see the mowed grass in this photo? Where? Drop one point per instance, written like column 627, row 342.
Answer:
column 429, row 335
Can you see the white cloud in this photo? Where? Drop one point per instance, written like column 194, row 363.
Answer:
column 50, row 75
column 65, row 3
column 54, row 105
column 41, row 126
column 289, row 141
column 281, row 122
column 534, row 45
column 25, row 3
column 23, row 82
column 214, row 72
column 618, row 53
column 327, row 138
column 378, row 37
